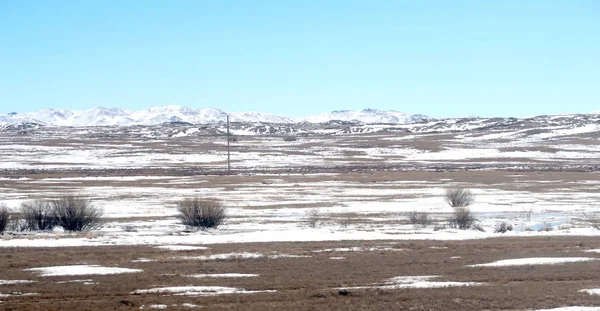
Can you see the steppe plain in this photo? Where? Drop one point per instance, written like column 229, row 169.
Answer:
column 363, row 254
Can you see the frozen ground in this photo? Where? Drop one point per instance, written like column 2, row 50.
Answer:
column 540, row 181
column 142, row 212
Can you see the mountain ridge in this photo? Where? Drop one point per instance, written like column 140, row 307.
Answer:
column 102, row 116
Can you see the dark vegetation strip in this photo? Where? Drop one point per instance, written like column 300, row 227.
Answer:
column 193, row 171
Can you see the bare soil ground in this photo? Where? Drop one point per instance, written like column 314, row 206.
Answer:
column 313, row 283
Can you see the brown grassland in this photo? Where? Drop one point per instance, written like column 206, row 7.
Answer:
column 313, row 283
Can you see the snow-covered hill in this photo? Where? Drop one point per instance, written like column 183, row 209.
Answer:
column 158, row 115
column 367, row 116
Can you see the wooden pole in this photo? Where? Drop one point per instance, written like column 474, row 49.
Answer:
column 228, row 151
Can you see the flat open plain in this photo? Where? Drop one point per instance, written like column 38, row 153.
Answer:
column 363, row 253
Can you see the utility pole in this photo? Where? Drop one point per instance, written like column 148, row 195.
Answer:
column 228, row 151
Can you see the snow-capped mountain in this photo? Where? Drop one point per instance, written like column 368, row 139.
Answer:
column 162, row 114
column 16, row 118
column 367, row 116
column 157, row 115
column 260, row 117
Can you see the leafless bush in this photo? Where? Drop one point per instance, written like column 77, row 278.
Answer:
column 4, row 217
column 459, row 197
column 477, row 226
column 546, row 226
column 201, row 213
column 526, row 213
column 592, row 219
column 503, row 227
column 313, row 217
column 439, row 226
column 344, row 219
column 419, row 218
column 75, row 213
column 130, row 228
column 289, row 138
column 16, row 224
column 37, row 215
column 462, row 218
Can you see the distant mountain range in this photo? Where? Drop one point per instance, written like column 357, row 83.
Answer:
column 164, row 114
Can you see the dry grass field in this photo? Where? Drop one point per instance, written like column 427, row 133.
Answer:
column 315, row 279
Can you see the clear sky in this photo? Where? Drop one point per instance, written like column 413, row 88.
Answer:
column 440, row 58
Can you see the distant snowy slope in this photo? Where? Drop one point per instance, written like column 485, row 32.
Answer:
column 260, row 117
column 50, row 116
column 366, row 116
column 101, row 116
column 6, row 119
column 161, row 114
column 95, row 116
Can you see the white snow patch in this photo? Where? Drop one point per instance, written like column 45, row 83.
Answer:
column 415, row 282
column 223, row 275
column 572, row 308
column 81, row 270
column 181, row 247
column 198, row 290
column 592, row 291
column 277, row 256
column 357, row 249
column 337, row 258
column 244, row 255
column 533, row 261
column 12, row 282
column 189, row 305
column 143, row 260
column 85, row 282
column 18, row 294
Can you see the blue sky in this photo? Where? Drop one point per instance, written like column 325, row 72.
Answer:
column 296, row 58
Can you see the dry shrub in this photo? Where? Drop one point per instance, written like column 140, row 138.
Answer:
column 592, row 219
column 526, row 213
column 233, row 139
column 546, row 227
column 477, row 226
column 16, row 224
column 462, row 218
column 201, row 213
column 419, row 218
column 313, row 217
column 345, row 218
column 75, row 213
column 503, row 227
column 459, row 197
column 37, row 215
column 439, row 226
column 4, row 217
